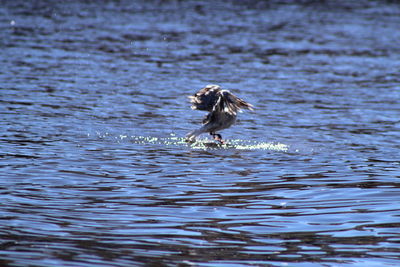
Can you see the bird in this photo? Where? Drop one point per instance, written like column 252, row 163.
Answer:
column 222, row 106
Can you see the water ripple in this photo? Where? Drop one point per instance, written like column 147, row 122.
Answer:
column 95, row 167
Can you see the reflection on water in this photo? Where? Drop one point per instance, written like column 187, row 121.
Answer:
column 96, row 171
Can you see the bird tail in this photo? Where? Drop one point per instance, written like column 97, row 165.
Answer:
column 191, row 136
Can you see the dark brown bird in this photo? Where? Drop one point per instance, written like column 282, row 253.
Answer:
column 222, row 106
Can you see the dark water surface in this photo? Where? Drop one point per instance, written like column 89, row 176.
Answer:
column 93, row 108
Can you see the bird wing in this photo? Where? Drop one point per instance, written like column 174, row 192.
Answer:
column 205, row 98
column 231, row 104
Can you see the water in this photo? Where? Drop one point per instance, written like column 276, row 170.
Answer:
column 94, row 168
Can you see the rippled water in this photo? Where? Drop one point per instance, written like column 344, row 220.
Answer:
column 95, row 171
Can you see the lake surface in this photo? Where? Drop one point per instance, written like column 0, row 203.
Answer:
column 94, row 110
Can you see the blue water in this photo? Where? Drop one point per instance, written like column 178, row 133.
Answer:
column 94, row 108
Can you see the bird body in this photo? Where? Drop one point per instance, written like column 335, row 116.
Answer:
column 222, row 106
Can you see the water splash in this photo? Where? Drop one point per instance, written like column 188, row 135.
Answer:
column 207, row 144
column 204, row 144
column 254, row 145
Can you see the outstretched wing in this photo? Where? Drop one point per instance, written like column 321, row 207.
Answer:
column 226, row 103
column 231, row 104
column 206, row 98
